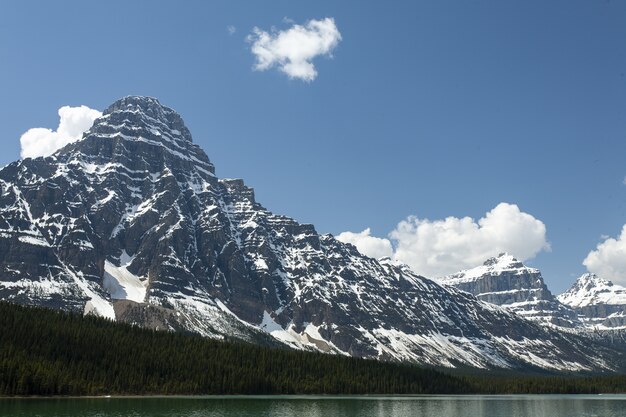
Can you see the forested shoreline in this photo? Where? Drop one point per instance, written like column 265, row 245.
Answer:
column 46, row 352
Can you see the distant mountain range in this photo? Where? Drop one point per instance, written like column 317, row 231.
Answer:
column 591, row 303
column 131, row 223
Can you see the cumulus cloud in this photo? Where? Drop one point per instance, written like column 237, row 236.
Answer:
column 435, row 248
column 294, row 49
column 73, row 121
column 375, row 247
column 439, row 247
column 608, row 260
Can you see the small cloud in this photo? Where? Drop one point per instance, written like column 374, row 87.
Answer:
column 624, row 181
column 608, row 260
column 371, row 246
column 231, row 29
column 293, row 50
column 73, row 121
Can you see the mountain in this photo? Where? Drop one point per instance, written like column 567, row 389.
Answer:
column 599, row 303
column 507, row 282
column 131, row 223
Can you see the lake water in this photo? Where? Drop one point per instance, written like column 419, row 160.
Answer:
column 312, row 406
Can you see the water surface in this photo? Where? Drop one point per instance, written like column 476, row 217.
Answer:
column 313, row 406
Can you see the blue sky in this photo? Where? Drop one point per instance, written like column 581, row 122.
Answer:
column 431, row 109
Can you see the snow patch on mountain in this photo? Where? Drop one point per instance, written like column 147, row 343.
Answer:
column 121, row 284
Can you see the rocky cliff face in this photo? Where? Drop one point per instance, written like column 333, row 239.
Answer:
column 131, row 223
column 507, row 282
column 600, row 304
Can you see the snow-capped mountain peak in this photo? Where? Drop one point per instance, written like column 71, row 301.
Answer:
column 496, row 265
column 590, row 289
column 153, row 112
column 507, row 282
column 600, row 303
column 504, row 259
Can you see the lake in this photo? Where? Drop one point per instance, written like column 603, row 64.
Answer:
column 320, row 406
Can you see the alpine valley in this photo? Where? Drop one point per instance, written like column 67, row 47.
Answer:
column 131, row 223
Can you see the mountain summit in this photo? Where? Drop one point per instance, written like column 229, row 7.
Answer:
column 131, row 223
column 600, row 303
column 507, row 282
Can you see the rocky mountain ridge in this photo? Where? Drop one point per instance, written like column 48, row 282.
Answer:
column 131, row 223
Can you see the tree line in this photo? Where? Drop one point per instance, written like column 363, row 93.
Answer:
column 49, row 352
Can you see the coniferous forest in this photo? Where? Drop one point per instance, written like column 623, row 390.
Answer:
column 45, row 352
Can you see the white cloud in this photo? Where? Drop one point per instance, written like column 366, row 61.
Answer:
column 294, row 49
column 609, row 259
column 73, row 122
column 624, row 181
column 375, row 247
column 435, row 248
column 231, row 29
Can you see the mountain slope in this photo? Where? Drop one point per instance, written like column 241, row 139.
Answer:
column 131, row 223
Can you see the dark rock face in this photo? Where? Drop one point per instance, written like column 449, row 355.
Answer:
column 507, row 282
column 131, row 223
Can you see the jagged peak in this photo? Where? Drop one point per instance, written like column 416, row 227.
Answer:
column 136, row 101
column 238, row 185
column 590, row 280
column 149, row 125
column 590, row 289
column 502, row 258
column 152, row 108
column 148, row 105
